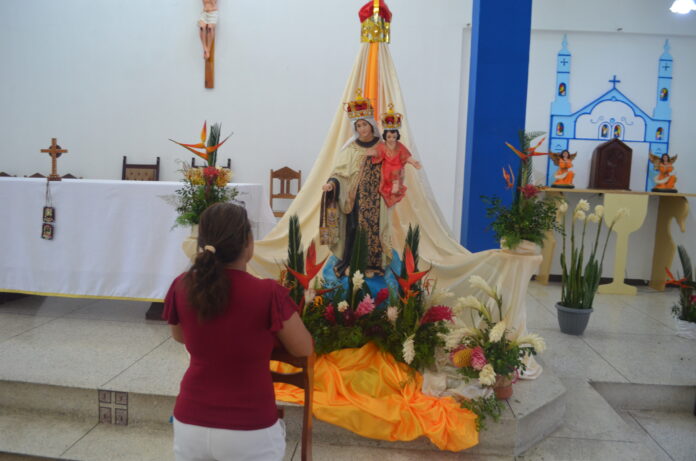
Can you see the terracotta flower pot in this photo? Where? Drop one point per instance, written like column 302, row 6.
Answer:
column 502, row 387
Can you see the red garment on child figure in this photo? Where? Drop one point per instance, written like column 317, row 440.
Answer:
column 392, row 171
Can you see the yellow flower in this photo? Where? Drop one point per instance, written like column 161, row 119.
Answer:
column 462, row 358
column 318, row 300
column 487, row 375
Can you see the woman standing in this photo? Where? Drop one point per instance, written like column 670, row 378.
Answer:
column 228, row 319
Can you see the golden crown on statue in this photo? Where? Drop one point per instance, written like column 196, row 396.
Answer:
column 360, row 107
column 391, row 120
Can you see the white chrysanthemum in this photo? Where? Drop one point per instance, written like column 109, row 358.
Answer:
column 534, row 340
column 342, row 306
column 487, row 375
column 593, row 218
column 562, row 207
column 497, row 332
column 579, row 215
column 478, row 282
column 409, row 350
column 599, row 210
column 583, row 205
column 392, row 314
column 358, row 280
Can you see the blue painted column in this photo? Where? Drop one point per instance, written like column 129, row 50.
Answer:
column 497, row 106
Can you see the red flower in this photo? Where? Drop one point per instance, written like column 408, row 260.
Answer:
column 329, row 314
column 210, row 172
column 311, row 266
column 437, row 314
column 693, row 298
column 411, row 276
column 529, row 191
column 381, row 296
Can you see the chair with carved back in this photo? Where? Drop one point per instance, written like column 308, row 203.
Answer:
column 139, row 171
column 193, row 163
column 304, row 379
column 285, row 177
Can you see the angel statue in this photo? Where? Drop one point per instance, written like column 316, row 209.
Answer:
column 664, row 180
column 564, row 175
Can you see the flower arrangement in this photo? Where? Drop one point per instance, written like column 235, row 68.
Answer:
column 408, row 323
column 203, row 186
column 685, row 309
column 486, row 352
column 580, row 279
column 529, row 216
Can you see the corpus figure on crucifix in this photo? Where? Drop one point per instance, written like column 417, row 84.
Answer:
column 206, row 25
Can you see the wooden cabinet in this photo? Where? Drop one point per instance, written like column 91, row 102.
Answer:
column 611, row 166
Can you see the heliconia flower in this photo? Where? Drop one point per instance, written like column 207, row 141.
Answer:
column 582, row 205
column 329, row 314
column 529, row 191
column 579, row 215
column 497, row 332
column 599, row 210
column 382, row 295
column 409, row 349
column 358, row 280
column 477, row 281
column 311, row 267
column 461, row 357
column 342, row 306
column 562, row 207
column 534, row 340
column 593, row 218
column 437, row 314
column 411, row 275
column 366, row 306
column 478, row 358
column 392, row 314
column 487, row 375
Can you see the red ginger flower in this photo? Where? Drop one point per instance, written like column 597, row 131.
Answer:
column 478, row 358
column 329, row 314
column 366, row 306
column 437, row 314
column 529, row 191
column 382, row 295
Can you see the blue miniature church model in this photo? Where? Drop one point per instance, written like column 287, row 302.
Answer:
column 611, row 115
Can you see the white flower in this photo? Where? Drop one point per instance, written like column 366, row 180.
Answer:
column 487, row 375
column 454, row 337
column 440, row 296
column 497, row 332
column 309, row 295
column 342, row 306
column 593, row 218
column 471, row 302
column 599, row 210
column 478, row 282
column 562, row 207
column 580, row 215
column 583, row 205
column 392, row 314
column 358, row 280
column 534, row 340
column 409, row 350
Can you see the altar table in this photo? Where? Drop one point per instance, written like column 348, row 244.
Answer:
column 113, row 239
column 671, row 206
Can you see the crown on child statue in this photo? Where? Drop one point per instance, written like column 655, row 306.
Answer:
column 391, row 120
column 360, row 107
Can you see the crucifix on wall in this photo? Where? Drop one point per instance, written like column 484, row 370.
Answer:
column 206, row 29
column 54, row 151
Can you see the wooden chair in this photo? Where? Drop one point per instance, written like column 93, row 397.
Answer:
column 193, row 163
column 304, row 379
column 5, row 175
column 70, row 176
column 140, row 172
column 35, row 175
column 285, row 176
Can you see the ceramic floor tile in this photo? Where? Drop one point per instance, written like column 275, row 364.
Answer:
column 82, row 353
column 14, row 324
column 538, row 316
column 45, row 306
column 647, row 440
column 138, row 442
column 674, row 432
column 617, row 317
column 116, row 310
column 159, row 372
column 657, row 305
column 570, row 357
column 43, row 434
column 648, row 359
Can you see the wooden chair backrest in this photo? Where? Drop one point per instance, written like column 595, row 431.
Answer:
column 5, row 175
column 193, row 163
column 285, row 177
column 304, row 379
column 140, row 172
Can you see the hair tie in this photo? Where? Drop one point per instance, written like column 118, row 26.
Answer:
column 209, row 248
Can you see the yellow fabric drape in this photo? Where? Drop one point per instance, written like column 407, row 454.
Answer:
column 367, row 392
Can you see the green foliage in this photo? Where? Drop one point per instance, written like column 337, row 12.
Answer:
column 527, row 219
column 685, row 309
column 295, row 258
column 192, row 200
column 484, row 407
column 213, row 139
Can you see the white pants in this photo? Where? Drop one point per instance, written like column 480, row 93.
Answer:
column 197, row 443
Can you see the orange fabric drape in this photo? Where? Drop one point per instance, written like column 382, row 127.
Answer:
column 367, row 392
column 372, row 77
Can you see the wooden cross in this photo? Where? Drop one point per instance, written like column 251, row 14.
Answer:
column 54, row 151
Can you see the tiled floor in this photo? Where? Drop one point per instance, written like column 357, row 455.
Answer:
column 103, row 344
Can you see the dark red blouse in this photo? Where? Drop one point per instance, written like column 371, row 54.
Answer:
column 228, row 383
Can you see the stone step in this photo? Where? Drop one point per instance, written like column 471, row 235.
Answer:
column 658, row 397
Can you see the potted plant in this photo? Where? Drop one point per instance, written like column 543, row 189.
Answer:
column 685, row 309
column 523, row 224
column 486, row 352
column 580, row 277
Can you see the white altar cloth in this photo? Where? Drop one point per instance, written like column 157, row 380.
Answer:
column 113, row 239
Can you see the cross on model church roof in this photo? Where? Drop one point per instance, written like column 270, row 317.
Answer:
column 614, row 81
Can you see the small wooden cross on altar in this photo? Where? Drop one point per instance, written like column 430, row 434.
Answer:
column 54, row 151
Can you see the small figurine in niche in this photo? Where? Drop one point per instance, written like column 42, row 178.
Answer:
column 617, row 131
column 605, row 131
column 393, row 156
column 564, row 175
column 664, row 165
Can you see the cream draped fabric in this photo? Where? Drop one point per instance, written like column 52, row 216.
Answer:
column 451, row 263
